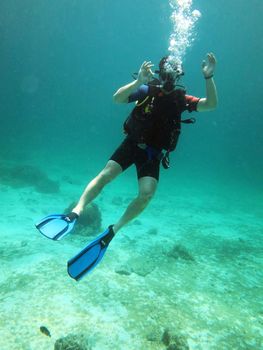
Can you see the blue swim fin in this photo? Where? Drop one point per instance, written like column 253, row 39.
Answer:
column 56, row 226
column 88, row 258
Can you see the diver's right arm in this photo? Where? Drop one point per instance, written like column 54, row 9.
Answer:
column 122, row 95
column 144, row 76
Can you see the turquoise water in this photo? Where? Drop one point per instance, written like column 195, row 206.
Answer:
column 187, row 273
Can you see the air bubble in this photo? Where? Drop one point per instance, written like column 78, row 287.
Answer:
column 183, row 20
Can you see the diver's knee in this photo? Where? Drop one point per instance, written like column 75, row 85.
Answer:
column 146, row 196
column 106, row 176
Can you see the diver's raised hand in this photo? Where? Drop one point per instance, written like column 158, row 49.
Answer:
column 145, row 73
column 208, row 65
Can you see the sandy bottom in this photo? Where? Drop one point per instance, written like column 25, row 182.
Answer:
column 192, row 265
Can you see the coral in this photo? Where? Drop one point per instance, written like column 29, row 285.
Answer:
column 178, row 346
column 28, row 176
column 124, row 270
column 13, row 250
column 174, row 341
column 136, row 222
column 72, row 342
column 89, row 221
column 166, row 338
column 17, row 282
column 230, row 249
column 179, row 251
column 152, row 231
column 153, row 336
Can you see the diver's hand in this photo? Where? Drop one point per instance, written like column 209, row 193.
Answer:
column 145, row 73
column 208, row 66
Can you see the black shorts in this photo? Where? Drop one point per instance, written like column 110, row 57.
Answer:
column 129, row 153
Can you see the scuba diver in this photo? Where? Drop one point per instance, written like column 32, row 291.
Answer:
column 152, row 130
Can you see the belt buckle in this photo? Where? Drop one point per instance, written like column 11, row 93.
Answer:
column 142, row 145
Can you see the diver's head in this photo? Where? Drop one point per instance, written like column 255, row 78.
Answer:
column 169, row 73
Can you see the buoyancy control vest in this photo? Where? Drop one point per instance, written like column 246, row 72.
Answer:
column 156, row 119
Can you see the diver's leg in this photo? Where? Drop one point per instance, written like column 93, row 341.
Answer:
column 147, row 188
column 110, row 172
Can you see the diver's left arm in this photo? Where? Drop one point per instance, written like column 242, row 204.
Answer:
column 209, row 102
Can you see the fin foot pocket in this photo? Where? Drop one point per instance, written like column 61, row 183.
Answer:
column 88, row 258
column 71, row 216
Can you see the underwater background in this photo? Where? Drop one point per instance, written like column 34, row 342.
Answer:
column 187, row 273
